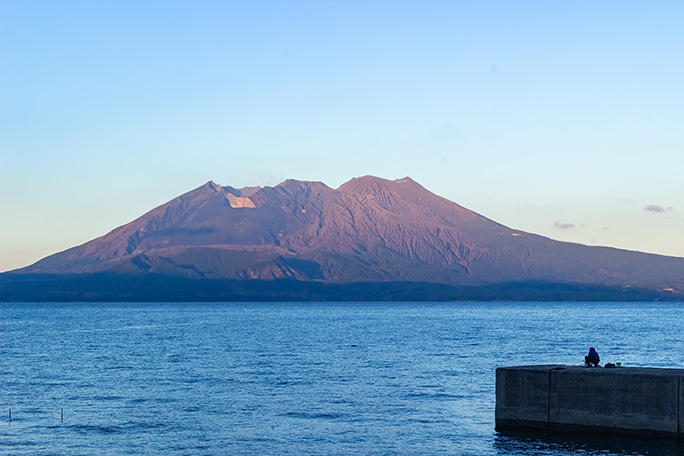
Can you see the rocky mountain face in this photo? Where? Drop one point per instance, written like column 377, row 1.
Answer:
column 367, row 230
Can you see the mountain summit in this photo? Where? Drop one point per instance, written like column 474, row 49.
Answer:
column 369, row 230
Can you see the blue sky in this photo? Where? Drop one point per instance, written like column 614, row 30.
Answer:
column 559, row 118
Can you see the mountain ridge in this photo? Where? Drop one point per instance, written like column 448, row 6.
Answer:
column 367, row 230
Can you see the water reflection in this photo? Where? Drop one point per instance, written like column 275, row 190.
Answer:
column 556, row 443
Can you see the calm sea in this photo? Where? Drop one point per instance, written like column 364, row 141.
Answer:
column 302, row 378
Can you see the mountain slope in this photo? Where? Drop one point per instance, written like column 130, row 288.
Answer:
column 368, row 230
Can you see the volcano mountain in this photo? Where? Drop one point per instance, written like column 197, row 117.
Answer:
column 369, row 239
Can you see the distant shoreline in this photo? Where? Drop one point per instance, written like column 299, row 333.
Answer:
column 117, row 288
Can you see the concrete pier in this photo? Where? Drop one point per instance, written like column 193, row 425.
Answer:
column 623, row 400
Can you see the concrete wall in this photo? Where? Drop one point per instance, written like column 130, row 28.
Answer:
column 641, row 401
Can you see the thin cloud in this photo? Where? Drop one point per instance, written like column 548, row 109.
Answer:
column 564, row 226
column 656, row 209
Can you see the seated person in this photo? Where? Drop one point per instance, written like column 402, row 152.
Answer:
column 592, row 359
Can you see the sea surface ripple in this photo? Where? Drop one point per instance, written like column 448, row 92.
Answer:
column 303, row 378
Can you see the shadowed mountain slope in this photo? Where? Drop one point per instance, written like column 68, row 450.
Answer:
column 368, row 230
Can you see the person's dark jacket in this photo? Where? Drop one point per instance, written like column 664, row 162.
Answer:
column 593, row 356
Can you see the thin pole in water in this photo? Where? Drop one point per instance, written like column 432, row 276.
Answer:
column 62, row 415
column 10, row 415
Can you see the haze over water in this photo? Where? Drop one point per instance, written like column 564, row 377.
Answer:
column 302, row 378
